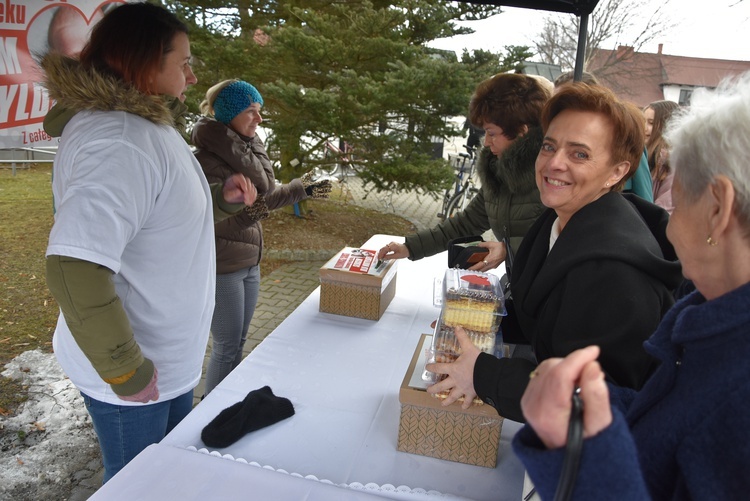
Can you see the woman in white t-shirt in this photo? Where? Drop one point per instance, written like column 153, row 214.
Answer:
column 131, row 253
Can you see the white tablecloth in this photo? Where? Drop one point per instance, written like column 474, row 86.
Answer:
column 166, row 473
column 343, row 376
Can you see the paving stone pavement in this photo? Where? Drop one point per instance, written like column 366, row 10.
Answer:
column 285, row 288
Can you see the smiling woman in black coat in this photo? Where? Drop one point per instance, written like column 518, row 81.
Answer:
column 595, row 268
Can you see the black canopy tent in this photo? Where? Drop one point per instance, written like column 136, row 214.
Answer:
column 581, row 8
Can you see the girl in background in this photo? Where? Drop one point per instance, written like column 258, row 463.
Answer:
column 657, row 114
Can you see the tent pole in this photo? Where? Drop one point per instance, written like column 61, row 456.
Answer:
column 581, row 52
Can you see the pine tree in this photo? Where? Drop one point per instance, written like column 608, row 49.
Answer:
column 347, row 72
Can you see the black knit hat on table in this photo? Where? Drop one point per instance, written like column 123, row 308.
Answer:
column 259, row 409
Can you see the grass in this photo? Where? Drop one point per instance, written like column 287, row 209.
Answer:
column 28, row 312
column 329, row 225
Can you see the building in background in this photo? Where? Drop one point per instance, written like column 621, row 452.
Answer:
column 546, row 70
column 643, row 77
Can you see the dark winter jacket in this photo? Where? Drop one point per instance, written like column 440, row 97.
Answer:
column 608, row 281
column 508, row 199
column 684, row 435
column 221, row 153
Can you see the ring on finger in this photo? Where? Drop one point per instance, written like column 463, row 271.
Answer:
column 533, row 374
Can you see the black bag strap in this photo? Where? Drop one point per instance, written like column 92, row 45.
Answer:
column 509, row 254
column 573, row 450
column 509, row 257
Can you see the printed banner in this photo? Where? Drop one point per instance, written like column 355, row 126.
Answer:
column 29, row 29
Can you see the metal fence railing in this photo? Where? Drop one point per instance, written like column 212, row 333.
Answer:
column 25, row 156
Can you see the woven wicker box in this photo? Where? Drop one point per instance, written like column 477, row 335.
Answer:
column 470, row 436
column 357, row 289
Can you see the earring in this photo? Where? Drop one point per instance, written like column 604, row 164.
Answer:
column 710, row 241
column 607, row 185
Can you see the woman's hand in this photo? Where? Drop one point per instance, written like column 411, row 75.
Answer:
column 497, row 255
column 546, row 404
column 147, row 394
column 393, row 251
column 258, row 211
column 316, row 188
column 460, row 380
column 238, row 189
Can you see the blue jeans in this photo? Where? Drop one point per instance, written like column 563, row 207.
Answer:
column 236, row 297
column 125, row 430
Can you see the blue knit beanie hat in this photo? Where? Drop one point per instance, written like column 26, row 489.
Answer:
column 234, row 99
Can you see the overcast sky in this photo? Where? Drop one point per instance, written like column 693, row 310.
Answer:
column 705, row 28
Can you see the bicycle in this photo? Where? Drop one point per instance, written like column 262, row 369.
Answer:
column 458, row 196
column 340, row 161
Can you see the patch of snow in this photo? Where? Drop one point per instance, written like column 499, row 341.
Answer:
column 49, row 444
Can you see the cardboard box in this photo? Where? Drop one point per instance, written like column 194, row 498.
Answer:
column 470, row 436
column 352, row 284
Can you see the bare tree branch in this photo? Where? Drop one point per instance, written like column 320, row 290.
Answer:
column 613, row 23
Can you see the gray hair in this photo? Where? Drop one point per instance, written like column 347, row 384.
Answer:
column 712, row 138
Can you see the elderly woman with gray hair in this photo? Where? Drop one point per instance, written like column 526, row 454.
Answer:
column 684, row 435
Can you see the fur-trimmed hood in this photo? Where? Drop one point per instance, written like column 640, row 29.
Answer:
column 75, row 89
column 514, row 169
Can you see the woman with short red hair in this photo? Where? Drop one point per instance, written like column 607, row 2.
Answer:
column 595, row 268
column 131, row 253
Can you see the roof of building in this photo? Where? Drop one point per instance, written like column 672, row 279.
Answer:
column 641, row 76
column 548, row 71
column 576, row 7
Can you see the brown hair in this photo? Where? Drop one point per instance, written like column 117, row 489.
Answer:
column 659, row 164
column 628, row 134
column 509, row 101
column 130, row 43
column 567, row 77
